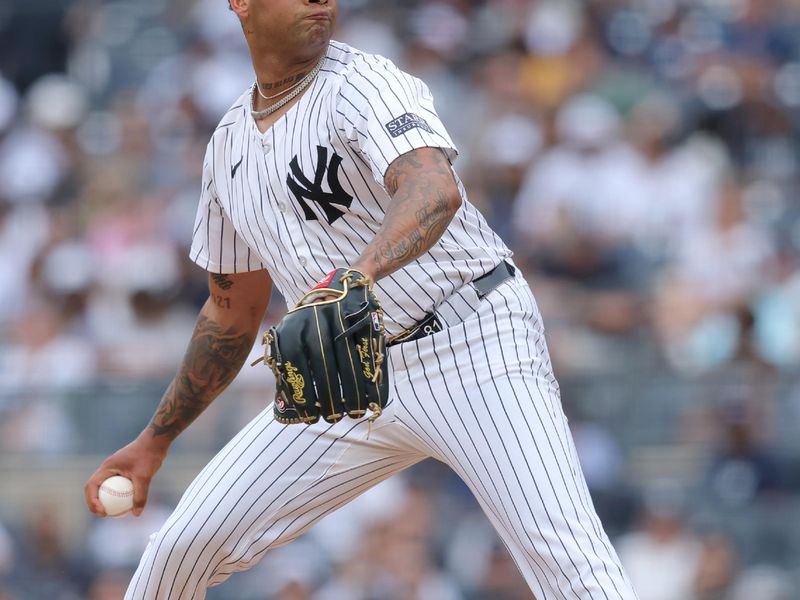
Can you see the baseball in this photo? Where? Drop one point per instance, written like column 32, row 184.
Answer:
column 116, row 495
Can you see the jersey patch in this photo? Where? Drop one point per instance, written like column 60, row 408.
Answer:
column 406, row 123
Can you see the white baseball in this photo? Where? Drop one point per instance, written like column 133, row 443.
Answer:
column 116, row 495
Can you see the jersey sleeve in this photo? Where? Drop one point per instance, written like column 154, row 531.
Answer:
column 216, row 247
column 385, row 113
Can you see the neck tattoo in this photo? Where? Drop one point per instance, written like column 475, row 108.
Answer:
column 268, row 86
column 292, row 92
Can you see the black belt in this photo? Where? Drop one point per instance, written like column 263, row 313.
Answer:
column 485, row 284
column 431, row 324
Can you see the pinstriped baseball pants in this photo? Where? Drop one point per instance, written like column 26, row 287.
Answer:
column 479, row 396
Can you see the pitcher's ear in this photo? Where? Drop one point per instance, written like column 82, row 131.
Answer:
column 238, row 6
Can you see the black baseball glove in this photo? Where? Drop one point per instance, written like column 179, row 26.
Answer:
column 328, row 353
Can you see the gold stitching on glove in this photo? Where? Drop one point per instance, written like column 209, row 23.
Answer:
column 377, row 377
column 353, row 371
column 308, row 300
column 377, row 411
column 361, row 281
column 265, row 341
column 324, row 363
column 285, row 421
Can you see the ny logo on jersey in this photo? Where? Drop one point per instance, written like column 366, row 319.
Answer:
column 304, row 189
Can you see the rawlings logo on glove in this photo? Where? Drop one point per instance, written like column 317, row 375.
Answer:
column 328, row 353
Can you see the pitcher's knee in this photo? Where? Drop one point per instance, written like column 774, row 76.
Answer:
column 170, row 567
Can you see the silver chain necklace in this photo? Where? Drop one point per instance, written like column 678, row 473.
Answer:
column 279, row 94
column 298, row 87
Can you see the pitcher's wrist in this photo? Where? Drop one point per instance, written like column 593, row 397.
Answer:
column 156, row 443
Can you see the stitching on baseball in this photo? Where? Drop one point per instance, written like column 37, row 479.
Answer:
column 117, row 493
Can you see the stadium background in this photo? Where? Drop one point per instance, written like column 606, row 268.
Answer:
column 642, row 158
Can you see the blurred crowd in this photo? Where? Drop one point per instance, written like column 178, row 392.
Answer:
column 640, row 157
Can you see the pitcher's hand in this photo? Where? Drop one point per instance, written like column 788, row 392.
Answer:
column 138, row 461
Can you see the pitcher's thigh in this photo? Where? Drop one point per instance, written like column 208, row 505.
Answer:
column 526, row 476
column 489, row 407
column 265, row 488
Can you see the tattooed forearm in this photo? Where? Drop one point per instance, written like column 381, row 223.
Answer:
column 424, row 199
column 432, row 219
column 223, row 281
column 430, row 213
column 400, row 169
column 212, row 360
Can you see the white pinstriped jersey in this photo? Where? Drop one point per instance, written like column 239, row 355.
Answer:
column 307, row 196
column 478, row 395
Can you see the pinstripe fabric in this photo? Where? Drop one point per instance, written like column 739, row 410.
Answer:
column 482, row 395
column 266, row 487
column 479, row 396
column 248, row 217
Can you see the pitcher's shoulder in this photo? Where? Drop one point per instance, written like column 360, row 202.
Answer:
column 237, row 112
column 349, row 64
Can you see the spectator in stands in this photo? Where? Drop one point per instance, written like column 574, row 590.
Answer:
column 743, row 468
column 44, row 566
column 662, row 556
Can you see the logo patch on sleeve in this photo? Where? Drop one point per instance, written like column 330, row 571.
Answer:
column 406, row 123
